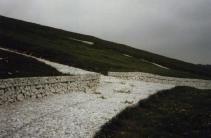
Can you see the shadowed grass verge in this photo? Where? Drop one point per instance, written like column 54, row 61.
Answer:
column 178, row 112
column 13, row 65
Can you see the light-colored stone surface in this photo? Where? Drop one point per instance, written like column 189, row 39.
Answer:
column 18, row 89
column 197, row 83
column 79, row 110
column 74, row 114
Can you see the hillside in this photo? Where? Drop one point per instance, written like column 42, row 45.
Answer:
column 90, row 53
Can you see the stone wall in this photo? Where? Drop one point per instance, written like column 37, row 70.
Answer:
column 202, row 84
column 18, row 89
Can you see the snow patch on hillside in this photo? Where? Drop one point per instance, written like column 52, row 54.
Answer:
column 82, row 41
column 127, row 55
column 155, row 64
column 159, row 65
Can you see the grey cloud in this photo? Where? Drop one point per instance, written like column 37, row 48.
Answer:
column 178, row 29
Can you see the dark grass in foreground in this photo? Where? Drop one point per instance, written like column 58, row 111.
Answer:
column 178, row 112
column 14, row 65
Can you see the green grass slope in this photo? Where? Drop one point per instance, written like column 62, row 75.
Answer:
column 14, row 65
column 181, row 112
column 101, row 56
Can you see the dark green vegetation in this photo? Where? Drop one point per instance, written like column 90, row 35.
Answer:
column 178, row 112
column 103, row 56
column 14, row 65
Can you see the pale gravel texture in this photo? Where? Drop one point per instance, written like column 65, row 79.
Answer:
column 147, row 77
column 73, row 115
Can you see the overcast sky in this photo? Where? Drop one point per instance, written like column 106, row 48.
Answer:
column 175, row 28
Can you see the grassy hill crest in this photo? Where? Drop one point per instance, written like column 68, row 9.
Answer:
column 90, row 53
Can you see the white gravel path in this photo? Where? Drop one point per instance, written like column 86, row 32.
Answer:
column 73, row 115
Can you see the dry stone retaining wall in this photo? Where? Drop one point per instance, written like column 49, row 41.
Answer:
column 18, row 89
column 197, row 83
